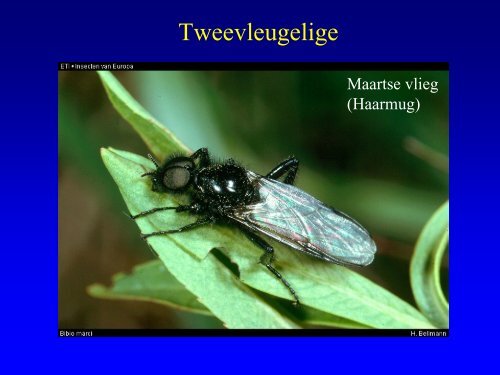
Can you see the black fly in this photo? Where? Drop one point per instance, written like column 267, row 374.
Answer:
column 261, row 204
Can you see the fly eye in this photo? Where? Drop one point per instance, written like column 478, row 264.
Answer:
column 176, row 177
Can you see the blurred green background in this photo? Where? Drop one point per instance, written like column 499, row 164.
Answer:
column 387, row 169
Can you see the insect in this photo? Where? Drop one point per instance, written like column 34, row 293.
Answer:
column 227, row 192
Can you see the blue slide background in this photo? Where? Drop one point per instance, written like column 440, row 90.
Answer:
column 36, row 36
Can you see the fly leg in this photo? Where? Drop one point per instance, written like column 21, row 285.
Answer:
column 198, row 223
column 153, row 210
column 267, row 260
column 289, row 166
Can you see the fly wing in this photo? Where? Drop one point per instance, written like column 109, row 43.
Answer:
column 302, row 222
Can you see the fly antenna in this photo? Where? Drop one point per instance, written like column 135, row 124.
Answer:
column 148, row 174
column 153, row 160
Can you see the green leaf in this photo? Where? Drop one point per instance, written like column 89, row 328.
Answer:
column 326, row 287
column 315, row 317
column 235, row 304
column 425, row 268
column 151, row 282
column 159, row 140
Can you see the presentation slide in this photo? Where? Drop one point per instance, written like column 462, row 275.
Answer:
column 246, row 187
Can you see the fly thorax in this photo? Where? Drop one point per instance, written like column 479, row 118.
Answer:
column 225, row 184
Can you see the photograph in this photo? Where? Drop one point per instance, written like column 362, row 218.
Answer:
column 287, row 199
